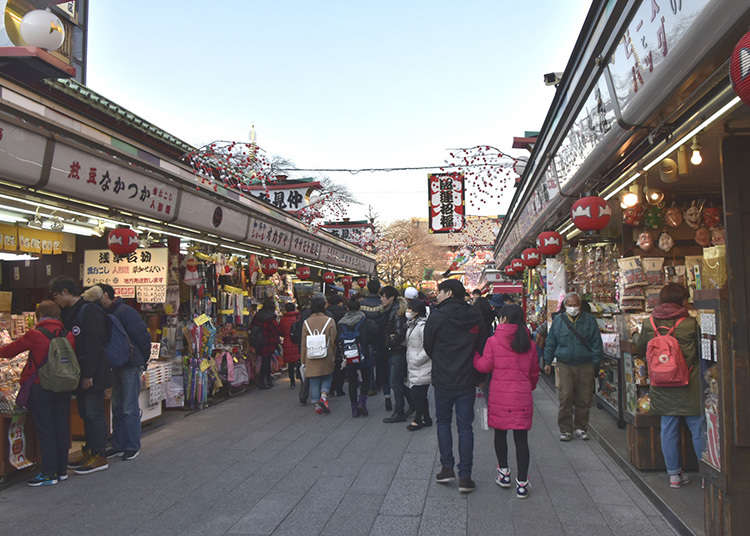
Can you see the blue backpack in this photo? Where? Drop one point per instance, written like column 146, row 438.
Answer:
column 351, row 347
column 118, row 348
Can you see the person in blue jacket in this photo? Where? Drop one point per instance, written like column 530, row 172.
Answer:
column 126, row 384
column 576, row 342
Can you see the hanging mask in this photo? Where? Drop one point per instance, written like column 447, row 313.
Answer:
column 693, row 215
column 703, row 237
column 712, row 217
column 717, row 236
column 654, row 217
column 645, row 241
column 666, row 242
column 633, row 215
column 673, row 217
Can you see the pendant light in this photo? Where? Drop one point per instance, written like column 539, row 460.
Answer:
column 696, row 158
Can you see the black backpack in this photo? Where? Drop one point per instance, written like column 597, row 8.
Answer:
column 257, row 337
column 295, row 332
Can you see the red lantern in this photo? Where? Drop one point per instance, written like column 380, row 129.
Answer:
column 122, row 241
column 517, row 265
column 531, row 257
column 739, row 68
column 509, row 271
column 591, row 213
column 303, row 272
column 549, row 243
column 346, row 281
column 269, row 266
column 329, row 277
column 362, row 282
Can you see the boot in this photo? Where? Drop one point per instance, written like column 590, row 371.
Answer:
column 355, row 410
column 388, row 404
column 363, row 406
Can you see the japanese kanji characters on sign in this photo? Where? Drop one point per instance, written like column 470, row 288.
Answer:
column 446, row 202
column 305, row 247
column 267, row 234
column 96, row 179
column 290, row 200
column 143, row 267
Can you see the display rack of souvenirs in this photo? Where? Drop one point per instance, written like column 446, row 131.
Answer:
column 10, row 375
column 593, row 271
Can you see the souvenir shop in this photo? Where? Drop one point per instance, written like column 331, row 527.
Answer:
column 96, row 202
column 637, row 181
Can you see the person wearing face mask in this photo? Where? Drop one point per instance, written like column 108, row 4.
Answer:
column 418, row 364
column 575, row 341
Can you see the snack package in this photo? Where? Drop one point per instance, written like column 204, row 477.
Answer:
column 675, row 274
column 631, row 272
column 652, row 298
column 652, row 267
column 640, row 372
column 644, row 404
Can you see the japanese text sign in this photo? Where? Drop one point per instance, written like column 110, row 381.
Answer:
column 143, row 267
column 446, row 202
column 267, row 234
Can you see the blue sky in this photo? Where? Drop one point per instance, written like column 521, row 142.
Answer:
column 338, row 84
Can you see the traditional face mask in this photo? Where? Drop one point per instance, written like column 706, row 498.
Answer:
column 693, row 215
column 410, row 315
column 572, row 311
column 666, row 242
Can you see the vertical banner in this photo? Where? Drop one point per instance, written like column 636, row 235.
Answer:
column 446, row 196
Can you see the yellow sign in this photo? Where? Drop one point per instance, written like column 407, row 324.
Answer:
column 8, row 237
column 202, row 319
column 39, row 241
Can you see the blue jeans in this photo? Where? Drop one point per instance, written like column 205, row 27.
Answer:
column 91, row 410
column 463, row 400
column 126, row 414
column 670, row 439
column 319, row 384
column 398, row 371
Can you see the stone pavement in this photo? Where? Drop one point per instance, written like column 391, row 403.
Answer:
column 261, row 464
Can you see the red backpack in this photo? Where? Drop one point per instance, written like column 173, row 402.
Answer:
column 666, row 363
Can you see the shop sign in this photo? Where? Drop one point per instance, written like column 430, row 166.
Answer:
column 446, row 202
column 656, row 29
column 126, row 293
column 289, row 199
column 151, row 294
column 79, row 174
column 330, row 254
column 267, row 234
column 143, row 267
column 8, row 237
column 305, row 247
column 39, row 241
column 361, row 235
column 196, row 211
column 21, row 154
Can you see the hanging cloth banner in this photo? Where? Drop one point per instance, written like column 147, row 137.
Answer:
column 446, row 197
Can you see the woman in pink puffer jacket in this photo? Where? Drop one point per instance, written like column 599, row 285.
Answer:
column 511, row 357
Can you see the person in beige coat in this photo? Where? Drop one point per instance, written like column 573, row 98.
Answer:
column 319, row 370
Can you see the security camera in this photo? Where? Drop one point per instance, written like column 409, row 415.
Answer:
column 552, row 79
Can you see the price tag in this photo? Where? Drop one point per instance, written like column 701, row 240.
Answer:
column 202, row 319
column 204, row 365
column 213, row 300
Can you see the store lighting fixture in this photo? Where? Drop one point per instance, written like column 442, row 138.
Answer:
column 108, row 222
column 572, row 234
column 617, row 190
column 654, row 196
column 8, row 217
column 630, row 198
column 696, row 158
column 17, row 257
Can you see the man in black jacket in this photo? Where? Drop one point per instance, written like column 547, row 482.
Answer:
column 373, row 309
column 394, row 308
column 452, row 335
column 336, row 310
column 89, row 325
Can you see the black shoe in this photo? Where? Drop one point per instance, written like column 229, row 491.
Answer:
column 111, row 453
column 414, row 425
column 427, row 422
column 130, row 455
column 292, row 385
column 396, row 417
column 466, row 485
column 388, row 404
column 445, row 476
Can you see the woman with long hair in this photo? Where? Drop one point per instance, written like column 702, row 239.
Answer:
column 511, row 356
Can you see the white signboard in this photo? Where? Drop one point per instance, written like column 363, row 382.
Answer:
column 196, row 211
column 151, row 294
column 266, row 234
column 289, row 199
column 94, row 179
column 21, row 154
column 305, row 247
column 143, row 267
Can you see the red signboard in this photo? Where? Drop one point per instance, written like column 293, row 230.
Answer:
column 446, row 196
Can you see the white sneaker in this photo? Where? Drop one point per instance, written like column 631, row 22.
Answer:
column 522, row 489
column 503, row 477
column 581, row 434
column 678, row 480
column 566, row 436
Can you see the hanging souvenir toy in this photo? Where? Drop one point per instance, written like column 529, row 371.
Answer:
column 633, row 215
column 192, row 277
column 717, row 236
column 645, row 241
column 654, row 217
column 711, row 217
column 666, row 242
column 703, row 237
column 673, row 217
column 693, row 214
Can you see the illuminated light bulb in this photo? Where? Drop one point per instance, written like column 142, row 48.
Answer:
column 696, row 158
column 630, row 199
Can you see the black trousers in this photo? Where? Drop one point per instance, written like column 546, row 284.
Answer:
column 358, row 380
column 292, row 369
column 421, row 405
column 337, row 382
column 521, row 438
column 51, row 414
column 265, row 370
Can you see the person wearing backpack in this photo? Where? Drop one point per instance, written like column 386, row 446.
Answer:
column 511, row 357
column 319, row 352
column 336, row 310
column 575, row 340
column 290, row 347
column 126, row 385
column 683, row 398
column 372, row 306
column 49, row 409
column 89, row 325
column 265, row 333
column 354, row 339
column 418, row 363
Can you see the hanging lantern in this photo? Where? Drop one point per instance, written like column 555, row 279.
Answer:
column 347, row 281
column 362, row 282
column 509, row 271
column 122, row 241
column 329, row 277
column 518, row 265
column 303, row 272
column 41, row 28
column 269, row 266
column 531, row 257
column 549, row 243
column 739, row 68
column 590, row 213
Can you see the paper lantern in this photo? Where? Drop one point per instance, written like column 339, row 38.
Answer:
column 549, row 243
column 122, row 241
column 41, row 28
column 362, row 282
column 329, row 277
column 509, row 271
column 739, row 68
column 347, row 281
column 531, row 257
column 590, row 213
column 517, row 265
column 303, row 272
column 269, row 266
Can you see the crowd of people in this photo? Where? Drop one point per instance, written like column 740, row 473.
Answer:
column 379, row 342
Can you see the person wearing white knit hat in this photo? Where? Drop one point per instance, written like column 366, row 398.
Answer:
column 411, row 293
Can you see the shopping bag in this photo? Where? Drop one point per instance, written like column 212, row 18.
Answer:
column 480, row 409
